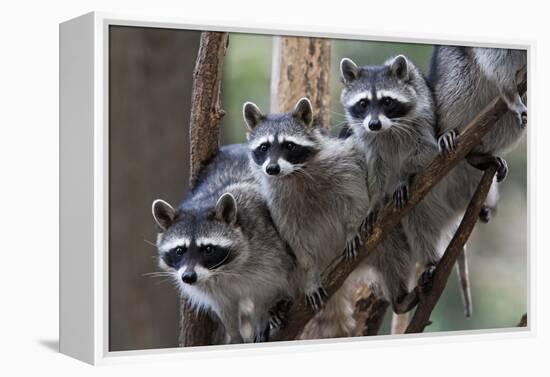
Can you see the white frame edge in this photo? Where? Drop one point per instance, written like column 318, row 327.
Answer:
column 84, row 117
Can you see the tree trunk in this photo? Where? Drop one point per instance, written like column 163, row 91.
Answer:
column 301, row 68
column 204, row 133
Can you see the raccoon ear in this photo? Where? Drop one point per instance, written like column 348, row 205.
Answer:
column 303, row 111
column 400, row 67
column 348, row 71
column 252, row 115
column 226, row 209
column 163, row 213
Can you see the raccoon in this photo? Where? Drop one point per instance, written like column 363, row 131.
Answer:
column 390, row 110
column 465, row 80
column 316, row 188
column 222, row 248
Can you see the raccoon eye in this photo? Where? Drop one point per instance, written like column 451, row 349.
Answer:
column 208, row 249
column 264, row 147
column 363, row 103
column 290, row 146
column 180, row 250
column 387, row 101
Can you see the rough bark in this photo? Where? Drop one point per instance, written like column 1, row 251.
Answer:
column 204, row 133
column 337, row 272
column 206, row 109
column 441, row 275
column 301, row 68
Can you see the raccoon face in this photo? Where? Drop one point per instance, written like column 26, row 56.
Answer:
column 195, row 245
column 281, row 144
column 378, row 98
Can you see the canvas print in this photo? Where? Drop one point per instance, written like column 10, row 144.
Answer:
column 266, row 188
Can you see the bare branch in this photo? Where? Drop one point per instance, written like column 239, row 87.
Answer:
column 339, row 270
column 206, row 112
column 427, row 302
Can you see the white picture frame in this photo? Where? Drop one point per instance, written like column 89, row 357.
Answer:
column 84, row 180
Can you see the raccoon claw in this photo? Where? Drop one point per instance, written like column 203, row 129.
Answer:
column 350, row 252
column 315, row 300
column 447, row 142
column 401, row 196
column 368, row 223
column 275, row 321
column 425, row 281
column 278, row 314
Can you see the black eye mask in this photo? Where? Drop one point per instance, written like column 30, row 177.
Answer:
column 216, row 257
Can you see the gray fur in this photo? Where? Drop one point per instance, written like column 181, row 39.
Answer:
column 318, row 209
column 403, row 148
column 466, row 79
column 228, row 203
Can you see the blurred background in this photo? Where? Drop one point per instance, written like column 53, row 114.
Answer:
column 150, row 88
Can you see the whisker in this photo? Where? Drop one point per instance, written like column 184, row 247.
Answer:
column 167, row 281
column 339, row 124
column 156, row 274
column 149, row 243
column 337, row 113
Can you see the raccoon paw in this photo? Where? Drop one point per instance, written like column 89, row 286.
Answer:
column 278, row 314
column 401, row 196
column 276, row 321
column 368, row 223
column 447, row 142
column 485, row 214
column 350, row 252
column 315, row 299
column 425, row 281
column 502, row 170
column 482, row 162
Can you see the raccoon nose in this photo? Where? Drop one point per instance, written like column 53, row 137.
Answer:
column 375, row 124
column 273, row 169
column 189, row 277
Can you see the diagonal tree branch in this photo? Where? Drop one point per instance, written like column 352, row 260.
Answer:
column 197, row 329
column 338, row 271
column 441, row 275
